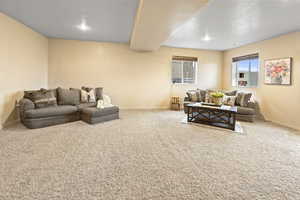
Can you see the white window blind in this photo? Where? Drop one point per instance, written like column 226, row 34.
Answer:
column 184, row 69
column 245, row 71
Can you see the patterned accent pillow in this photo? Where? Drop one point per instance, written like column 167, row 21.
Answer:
column 84, row 96
column 193, row 95
column 229, row 100
column 43, row 98
column 92, row 96
column 88, row 95
column 243, row 99
column 202, row 95
column 86, row 88
column 231, row 93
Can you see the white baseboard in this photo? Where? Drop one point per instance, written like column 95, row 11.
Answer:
column 284, row 125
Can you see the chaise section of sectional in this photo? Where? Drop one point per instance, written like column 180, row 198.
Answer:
column 93, row 115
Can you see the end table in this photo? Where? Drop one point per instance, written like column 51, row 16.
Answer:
column 175, row 103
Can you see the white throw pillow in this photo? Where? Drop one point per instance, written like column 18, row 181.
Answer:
column 92, row 96
column 84, row 96
column 105, row 103
column 106, row 99
column 100, row 104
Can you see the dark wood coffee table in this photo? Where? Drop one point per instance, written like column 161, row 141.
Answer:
column 219, row 116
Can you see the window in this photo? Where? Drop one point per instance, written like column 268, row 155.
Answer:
column 184, row 69
column 245, row 71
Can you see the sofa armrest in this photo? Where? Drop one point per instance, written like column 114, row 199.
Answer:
column 25, row 104
column 252, row 104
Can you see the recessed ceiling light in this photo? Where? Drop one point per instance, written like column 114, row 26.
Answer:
column 83, row 26
column 206, row 38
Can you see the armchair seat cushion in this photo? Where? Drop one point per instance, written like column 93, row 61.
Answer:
column 245, row 110
column 51, row 111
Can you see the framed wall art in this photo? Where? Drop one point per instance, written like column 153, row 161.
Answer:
column 278, row 71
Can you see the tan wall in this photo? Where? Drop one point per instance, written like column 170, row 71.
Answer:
column 23, row 64
column 279, row 104
column 133, row 79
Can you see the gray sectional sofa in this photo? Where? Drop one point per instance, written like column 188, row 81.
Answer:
column 59, row 110
column 246, row 112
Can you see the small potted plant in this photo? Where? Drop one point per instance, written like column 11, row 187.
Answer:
column 217, row 98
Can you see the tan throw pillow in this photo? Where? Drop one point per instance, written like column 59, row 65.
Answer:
column 229, row 100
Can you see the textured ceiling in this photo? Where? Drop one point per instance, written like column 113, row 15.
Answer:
column 229, row 23
column 110, row 20
column 233, row 23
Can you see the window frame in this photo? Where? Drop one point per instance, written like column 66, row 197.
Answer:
column 240, row 58
column 195, row 63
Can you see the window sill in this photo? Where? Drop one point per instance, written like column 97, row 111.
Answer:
column 184, row 83
column 247, row 87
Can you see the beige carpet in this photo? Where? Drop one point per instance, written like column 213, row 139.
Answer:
column 149, row 155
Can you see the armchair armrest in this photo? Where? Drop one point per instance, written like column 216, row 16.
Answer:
column 25, row 104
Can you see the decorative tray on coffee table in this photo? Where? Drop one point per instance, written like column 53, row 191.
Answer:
column 210, row 104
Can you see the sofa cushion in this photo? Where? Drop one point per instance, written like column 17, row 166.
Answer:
column 99, row 93
column 85, row 105
column 76, row 89
column 96, row 112
column 51, row 111
column 245, row 111
column 68, row 97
